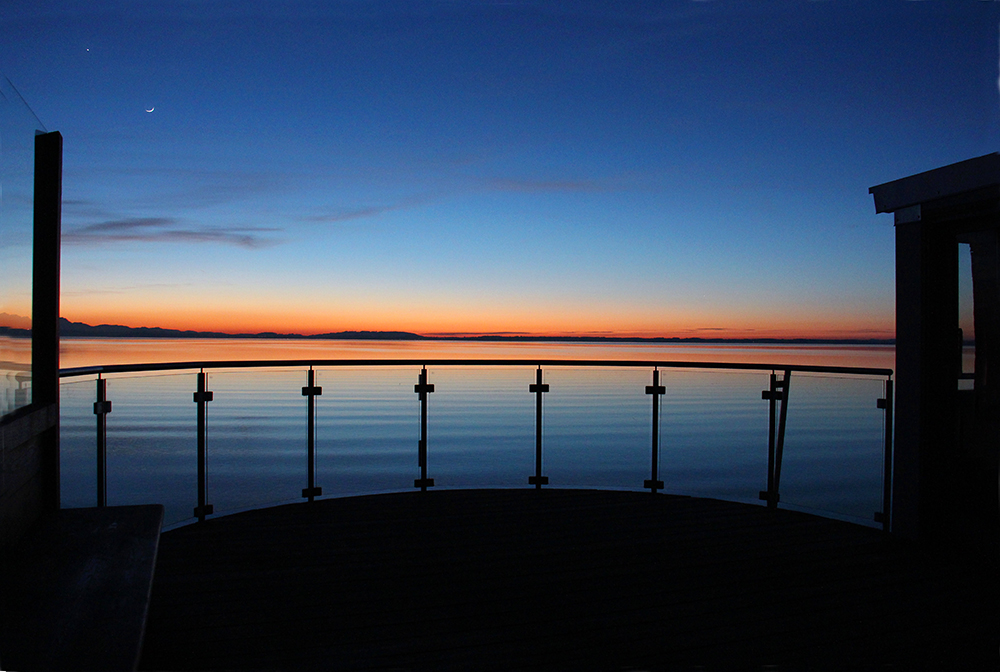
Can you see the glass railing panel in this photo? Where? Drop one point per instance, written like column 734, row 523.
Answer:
column 15, row 373
column 481, row 427
column 713, row 433
column 834, row 444
column 256, row 437
column 18, row 126
column 598, row 427
column 151, row 445
column 151, row 456
column 366, row 430
column 77, row 443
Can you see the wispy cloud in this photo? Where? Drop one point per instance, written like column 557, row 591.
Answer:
column 126, row 225
column 348, row 214
column 540, row 186
column 718, row 329
column 127, row 289
column 167, row 230
column 508, row 185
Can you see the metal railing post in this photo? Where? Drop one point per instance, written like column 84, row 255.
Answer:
column 885, row 517
column 779, row 448
column 202, row 397
column 538, row 388
column 311, row 391
column 653, row 482
column 423, row 389
column 101, row 409
column 778, row 391
column 771, row 395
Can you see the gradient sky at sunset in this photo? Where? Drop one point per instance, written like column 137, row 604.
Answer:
column 674, row 168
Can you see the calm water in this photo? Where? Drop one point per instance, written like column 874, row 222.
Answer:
column 481, row 427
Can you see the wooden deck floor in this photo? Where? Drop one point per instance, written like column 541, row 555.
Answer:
column 558, row 579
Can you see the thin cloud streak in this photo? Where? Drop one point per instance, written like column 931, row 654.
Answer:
column 128, row 289
column 348, row 215
column 128, row 224
column 345, row 215
column 162, row 229
column 543, row 186
column 508, row 185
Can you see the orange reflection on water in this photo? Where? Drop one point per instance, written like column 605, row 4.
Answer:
column 79, row 352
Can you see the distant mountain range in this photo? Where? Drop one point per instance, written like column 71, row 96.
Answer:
column 79, row 329
column 69, row 329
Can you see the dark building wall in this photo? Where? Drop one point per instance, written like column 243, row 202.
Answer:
column 928, row 359
column 26, row 440
column 945, row 477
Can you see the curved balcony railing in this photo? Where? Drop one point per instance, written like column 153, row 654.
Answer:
column 777, row 395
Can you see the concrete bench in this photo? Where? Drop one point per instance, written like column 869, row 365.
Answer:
column 76, row 591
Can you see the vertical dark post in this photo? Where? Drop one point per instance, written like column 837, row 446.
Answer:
column 311, row 391
column 101, row 409
column 886, row 515
column 45, row 302
column 202, row 397
column 423, row 389
column 777, row 391
column 653, row 483
column 779, row 447
column 771, row 395
column 924, row 452
column 538, row 388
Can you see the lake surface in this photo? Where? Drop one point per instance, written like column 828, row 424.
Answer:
column 597, row 425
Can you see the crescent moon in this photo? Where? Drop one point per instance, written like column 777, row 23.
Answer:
column 151, row 109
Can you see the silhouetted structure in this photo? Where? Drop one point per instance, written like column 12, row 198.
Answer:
column 551, row 579
column 31, row 434
column 75, row 583
column 945, row 476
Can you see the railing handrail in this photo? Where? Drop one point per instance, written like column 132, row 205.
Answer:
column 286, row 363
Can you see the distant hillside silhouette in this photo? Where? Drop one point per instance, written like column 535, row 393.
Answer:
column 79, row 329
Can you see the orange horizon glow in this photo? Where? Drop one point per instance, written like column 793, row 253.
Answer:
column 823, row 326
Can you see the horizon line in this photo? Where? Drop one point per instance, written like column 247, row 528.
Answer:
column 71, row 329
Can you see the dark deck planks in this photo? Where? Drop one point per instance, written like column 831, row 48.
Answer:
column 556, row 579
column 77, row 592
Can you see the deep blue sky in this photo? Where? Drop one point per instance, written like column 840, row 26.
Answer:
column 652, row 168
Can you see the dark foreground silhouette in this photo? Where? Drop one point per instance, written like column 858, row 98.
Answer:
column 558, row 579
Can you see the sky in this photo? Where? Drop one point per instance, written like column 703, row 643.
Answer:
column 622, row 168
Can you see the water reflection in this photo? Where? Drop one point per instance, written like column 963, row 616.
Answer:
column 597, row 433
